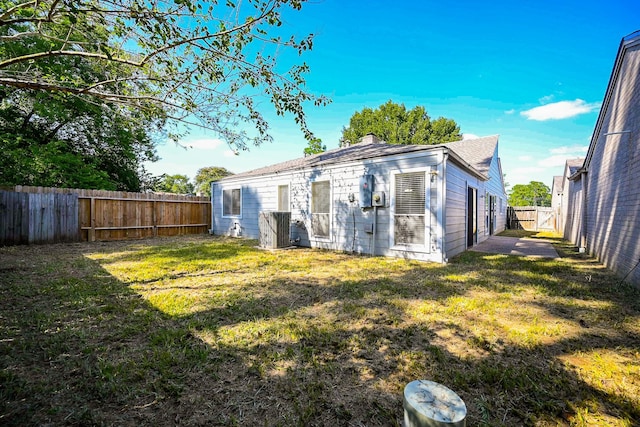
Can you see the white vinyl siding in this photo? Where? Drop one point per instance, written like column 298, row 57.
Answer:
column 232, row 202
column 321, row 208
column 343, row 225
column 410, row 207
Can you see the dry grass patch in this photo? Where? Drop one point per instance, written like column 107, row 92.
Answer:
column 212, row 331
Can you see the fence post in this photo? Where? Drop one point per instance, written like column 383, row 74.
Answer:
column 92, row 220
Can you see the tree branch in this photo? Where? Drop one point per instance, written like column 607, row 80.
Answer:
column 10, row 11
column 40, row 55
column 52, row 87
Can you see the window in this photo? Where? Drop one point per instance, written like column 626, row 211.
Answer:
column 410, row 206
column 320, row 208
column 231, row 202
column 283, row 198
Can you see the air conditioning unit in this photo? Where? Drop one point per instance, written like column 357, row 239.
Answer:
column 274, row 229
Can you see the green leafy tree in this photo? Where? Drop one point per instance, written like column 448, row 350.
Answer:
column 206, row 176
column 533, row 194
column 62, row 141
column 191, row 62
column 177, row 184
column 56, row 137
column 395, row 125
column 315, row 147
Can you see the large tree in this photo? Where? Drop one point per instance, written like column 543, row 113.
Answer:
column 193, row 62
column 177, row 184
column 396, row 125
column 206, row 176
column 59, row 139
column 63, row 141
column 533, row 194
column 315, row 146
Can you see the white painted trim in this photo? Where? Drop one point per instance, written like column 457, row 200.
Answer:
column 425, row 248
column 281, row 184
column 222, row 190
column 313, row 237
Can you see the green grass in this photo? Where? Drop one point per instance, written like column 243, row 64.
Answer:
column 212, row 331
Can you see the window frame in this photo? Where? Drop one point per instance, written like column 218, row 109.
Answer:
column 279, row 201
column 415, row 247
column 326, row 237
column 222, row 201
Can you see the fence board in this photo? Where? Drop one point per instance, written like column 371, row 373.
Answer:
column 42, row 214
column 531, row 218
column 15, row 220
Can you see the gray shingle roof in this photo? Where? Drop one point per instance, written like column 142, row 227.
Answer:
column 558, row 183
column 477, row 152
column 473, row 153
column 574, row 165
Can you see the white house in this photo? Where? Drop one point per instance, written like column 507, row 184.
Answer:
column 424, row 202
column 556, row 201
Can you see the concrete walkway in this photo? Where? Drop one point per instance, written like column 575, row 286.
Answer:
column 524, row 246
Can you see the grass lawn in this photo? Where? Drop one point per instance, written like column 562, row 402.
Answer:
column 211, row 331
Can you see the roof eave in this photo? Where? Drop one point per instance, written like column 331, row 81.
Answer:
column 626, row 43
column 577, row 174
column 461, row 162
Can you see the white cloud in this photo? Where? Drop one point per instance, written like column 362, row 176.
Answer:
column 560, row 110
column 573, row 150
column 523, row 174
column 469, row 136
column 510, row 111
column 546, row 99
column 552, row 161
column 230, row 153
column 204, row 143
column 525, row 158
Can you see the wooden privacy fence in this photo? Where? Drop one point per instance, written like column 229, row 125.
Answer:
column 38, row 218
column 103, row 215
column 531, row 218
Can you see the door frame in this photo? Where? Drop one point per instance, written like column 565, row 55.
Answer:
column 472, row 216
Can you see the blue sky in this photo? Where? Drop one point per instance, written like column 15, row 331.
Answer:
column 533, row 72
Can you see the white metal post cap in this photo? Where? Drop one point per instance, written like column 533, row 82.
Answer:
column 429, row 404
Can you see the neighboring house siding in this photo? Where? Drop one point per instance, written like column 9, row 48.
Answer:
column 571, row 213
column 613, row 193
column 557, row 202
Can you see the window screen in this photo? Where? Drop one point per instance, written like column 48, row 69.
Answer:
column 410, row 206
column 283, row 198
column 320, row 208
column 231, row 202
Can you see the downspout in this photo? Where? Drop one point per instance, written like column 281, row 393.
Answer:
column 443, row 198
column 375, row 228
column 212, row 209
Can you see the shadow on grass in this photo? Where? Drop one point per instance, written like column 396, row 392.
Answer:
column 306, row 345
